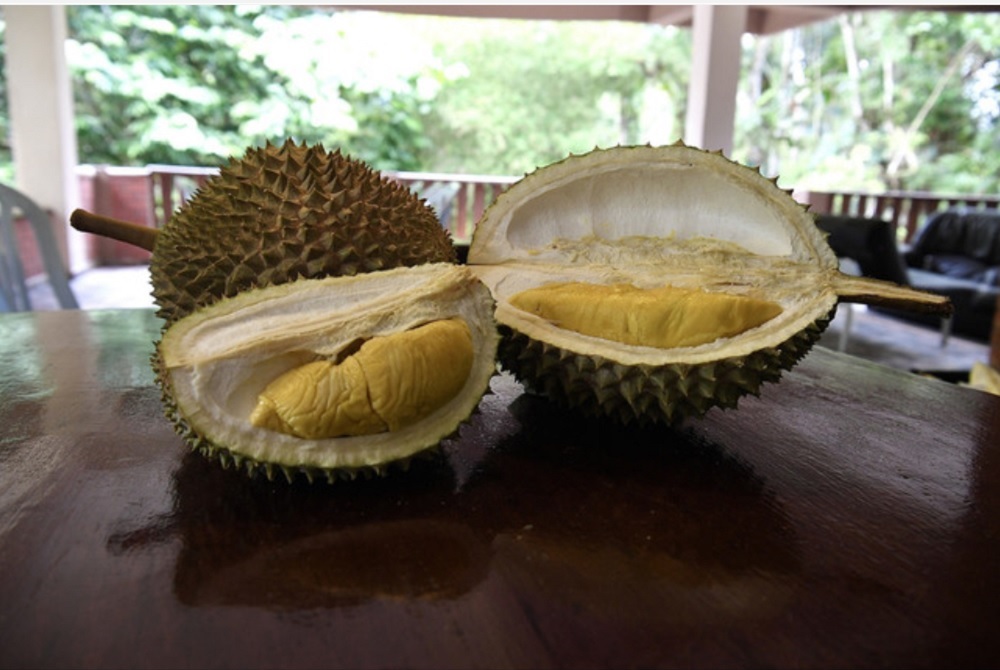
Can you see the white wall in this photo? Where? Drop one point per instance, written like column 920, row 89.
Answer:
column 43, row 138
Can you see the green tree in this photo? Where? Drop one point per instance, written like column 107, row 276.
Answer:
column 162, row 84
column 192, row 85
column 877, row 100
column 869, row 100
column 522, row 94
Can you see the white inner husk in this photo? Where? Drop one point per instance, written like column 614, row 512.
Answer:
column 672, row 194
column 652, row 217
column 219, row 359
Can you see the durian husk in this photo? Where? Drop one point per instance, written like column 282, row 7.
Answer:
column 214, row 362
column 662, row 216
column 282, row 213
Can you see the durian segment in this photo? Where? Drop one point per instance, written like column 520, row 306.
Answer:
column 216, row 362
column 319, row 399
column 984, row 377
column 391, row 382
column 663, row 317
column 281, row 213
column 803, row 294
column 413, row 373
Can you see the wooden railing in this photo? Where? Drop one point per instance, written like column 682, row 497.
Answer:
column 473, row 194
column 460, row 199
column 172, row 185
column 908, row 210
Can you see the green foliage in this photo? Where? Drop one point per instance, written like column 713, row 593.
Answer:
column 870, row 100
column 877, row 101
column 193, row 85
column 523, row 94
column 157, row 84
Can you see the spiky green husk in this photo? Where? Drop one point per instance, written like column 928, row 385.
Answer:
column 283, row 213
column 646, row 394
column 270, row 471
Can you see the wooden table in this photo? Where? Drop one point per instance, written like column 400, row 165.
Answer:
column 995, row 338
column 848, row 517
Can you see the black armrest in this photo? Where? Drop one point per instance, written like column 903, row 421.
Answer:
column 871, row 243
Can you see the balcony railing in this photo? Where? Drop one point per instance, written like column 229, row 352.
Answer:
column 906, row 209
column 459, row 200
column 472, row 194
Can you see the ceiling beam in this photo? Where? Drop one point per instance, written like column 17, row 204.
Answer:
column 762, row 19
column 715, row 76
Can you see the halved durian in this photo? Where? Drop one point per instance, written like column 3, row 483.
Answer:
column 674, row 230
column 239, row 374
column 308, row 304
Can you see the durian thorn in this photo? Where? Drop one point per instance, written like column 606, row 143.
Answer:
column 123, row 231
column 882, row 293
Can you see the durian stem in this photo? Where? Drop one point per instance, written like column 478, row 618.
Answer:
column 888, row 294
column 123, row 231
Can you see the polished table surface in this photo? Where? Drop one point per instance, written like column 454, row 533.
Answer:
column 847, row 517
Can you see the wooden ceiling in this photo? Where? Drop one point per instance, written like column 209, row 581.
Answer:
column 761, row 19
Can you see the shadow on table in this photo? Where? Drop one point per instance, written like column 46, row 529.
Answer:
column 653, row 506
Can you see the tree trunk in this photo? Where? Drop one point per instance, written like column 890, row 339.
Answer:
column 853, row 70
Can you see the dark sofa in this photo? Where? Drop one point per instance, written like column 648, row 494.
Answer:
column 955, row 253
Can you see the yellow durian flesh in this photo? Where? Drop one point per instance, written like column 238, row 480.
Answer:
column 661, row 317
column 797, row 294
column 391, row 382
column 318, row 399
column 217, row 363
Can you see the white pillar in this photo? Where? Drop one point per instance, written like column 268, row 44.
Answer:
column 40, row 99
column 717, row 31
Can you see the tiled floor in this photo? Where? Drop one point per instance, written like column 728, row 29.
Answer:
column 102, row 288
column 872, row 335
column 900, row 344
column 114, row 288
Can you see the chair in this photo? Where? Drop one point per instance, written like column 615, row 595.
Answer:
column 957, row 253
column 441, row 197
column 14, row 295
column 871, row 244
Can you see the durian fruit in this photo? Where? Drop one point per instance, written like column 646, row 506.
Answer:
column 315, row 318
column 651, row 284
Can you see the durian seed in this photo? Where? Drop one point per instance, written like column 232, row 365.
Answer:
column 663, row 317
column 390, row 382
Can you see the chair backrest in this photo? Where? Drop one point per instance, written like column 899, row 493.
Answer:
column 441, row 197
column 14, row 294
column 871, row 243
column 974, row 233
